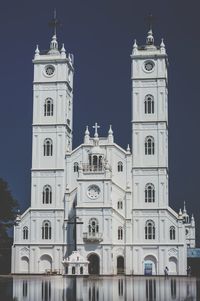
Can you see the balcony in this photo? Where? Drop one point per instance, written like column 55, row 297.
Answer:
column 88, row 168
column 92, row 237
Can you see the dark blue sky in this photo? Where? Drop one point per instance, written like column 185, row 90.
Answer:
column 100, row 34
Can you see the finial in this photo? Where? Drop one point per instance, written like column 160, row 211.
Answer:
column 128, row 149
column 87, row 131
column 37, row 51
column 135, row 46
column 87, row 136
column 110, row 135
column 184, row 208
column 180, row 212
column 110, row 132
column 63, row 49
column 162, row 45
column 96, row 126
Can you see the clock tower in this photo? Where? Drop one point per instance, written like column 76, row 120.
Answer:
column 150, row 124
column 52, row 121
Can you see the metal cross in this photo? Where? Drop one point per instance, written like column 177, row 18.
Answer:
column 75, row 223
column 150, row 19
column 96, row 127
column 54, row 22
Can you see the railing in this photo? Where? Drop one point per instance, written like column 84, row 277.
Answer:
column 92, row 237
column 93, row 168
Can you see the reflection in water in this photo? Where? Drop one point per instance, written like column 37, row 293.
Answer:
column 46, row 290
column 120, row 288
column 93, row 293
column 173, row 288
column 151, row 289
column 25, row 288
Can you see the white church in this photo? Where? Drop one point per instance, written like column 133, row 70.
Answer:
column 99, row 208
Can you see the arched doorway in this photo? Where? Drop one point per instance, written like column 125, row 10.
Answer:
column 120, row 265
column 150, row 265
column 25, row 264
column 45, row 264
column 93, row 267
column 173, row 266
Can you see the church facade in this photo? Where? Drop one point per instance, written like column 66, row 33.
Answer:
column 106, row 203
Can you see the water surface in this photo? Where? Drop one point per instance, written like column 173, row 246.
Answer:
column 58, row 288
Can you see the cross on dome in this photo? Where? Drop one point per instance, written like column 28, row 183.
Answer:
column 96, row 127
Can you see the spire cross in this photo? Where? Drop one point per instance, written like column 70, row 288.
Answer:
column 54, row 23
column 96, row 127
column 150, row 19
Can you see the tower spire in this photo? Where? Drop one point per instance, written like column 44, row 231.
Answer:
column 54, row 23
column 150, row 38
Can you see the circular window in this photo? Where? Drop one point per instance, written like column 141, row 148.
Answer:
column 149, row 65
column 49, row 70
column 93, row 191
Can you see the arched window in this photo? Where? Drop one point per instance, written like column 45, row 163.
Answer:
column 149, row 104
column 149, row 193
column 25, row 232
column 76, row 167
column 120, row 233
column 81, row 270
column 119, row 205
column 48, row 107
column 48, row 147
column 73, row 270
column 172, row 233
column 46, row 230
column 93, row 226
column 120, row 166
column 150, row 230
column 47, row 195
column 149, row 145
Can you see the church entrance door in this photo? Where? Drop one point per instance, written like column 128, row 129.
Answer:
column 120, row 265
column 93, row 264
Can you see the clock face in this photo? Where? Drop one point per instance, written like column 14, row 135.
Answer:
column 93, row 191
column 49, row 70
column 149, row 65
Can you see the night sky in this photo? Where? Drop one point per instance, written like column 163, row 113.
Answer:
column 100, row 34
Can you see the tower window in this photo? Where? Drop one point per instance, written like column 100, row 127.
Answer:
column 120, row 166
column 149, row 193
column 149, row 145
column 48, row 147
column 149, row 104
column 48, row 107
column 119, row 205
column 46, row 230
column 120, row 233
column 76, row 167
column 172, row 233
column 93, row 226
column 47, row 195
column 150, row 230
column 25, row 232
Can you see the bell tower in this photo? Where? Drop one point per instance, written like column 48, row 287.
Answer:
column 52, row 119
column 150, row 124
